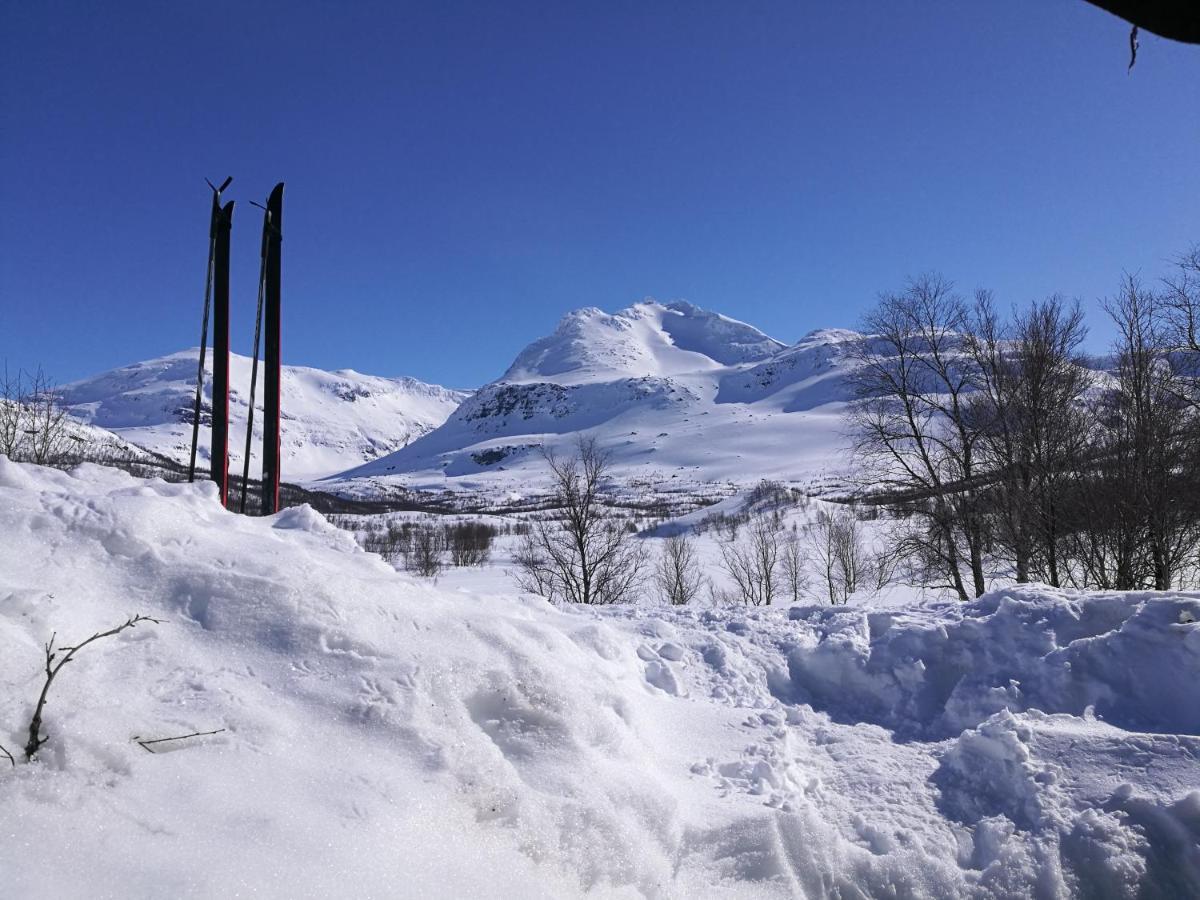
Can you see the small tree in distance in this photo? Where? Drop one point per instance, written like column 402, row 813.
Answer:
column 583, row 555
column 426, row 551
column 752, row 563
column 677, row 574
column 34, row 426
column 841, row 561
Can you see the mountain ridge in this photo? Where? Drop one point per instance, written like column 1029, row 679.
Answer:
column 678, row 395
column 330, row 418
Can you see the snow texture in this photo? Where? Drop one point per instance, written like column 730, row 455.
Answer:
column 385, row 737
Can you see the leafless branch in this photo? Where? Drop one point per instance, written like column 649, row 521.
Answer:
column 145, row 745
column 52, row 668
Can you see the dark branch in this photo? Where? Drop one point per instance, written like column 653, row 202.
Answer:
column 36, row 738
column 145, row 745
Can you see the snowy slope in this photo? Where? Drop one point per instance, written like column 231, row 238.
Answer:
column 647, row 339
column 681, row 397
column 332, row 420
column 389, row 738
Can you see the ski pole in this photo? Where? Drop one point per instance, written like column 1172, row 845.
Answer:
column 262, row 276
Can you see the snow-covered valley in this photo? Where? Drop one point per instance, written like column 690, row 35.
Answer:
column 416, row 739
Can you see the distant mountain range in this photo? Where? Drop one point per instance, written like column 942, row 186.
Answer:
column 331, row 420
column 683, row 399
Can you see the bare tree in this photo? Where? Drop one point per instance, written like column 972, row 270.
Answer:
column 1181, row 308
column 1031, row 380
column 584, row 555
column 793, row 561
column 1150, row 439
column 677, row 574
column 426, row 551
column 842, row 562
column 47, row 425
column 470, row 543
column 751, row 563
column 12, row 413
column 915, row 426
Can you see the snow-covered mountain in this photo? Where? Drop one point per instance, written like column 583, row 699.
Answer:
column 647, row 339
column 331, row 420
column 682, row 397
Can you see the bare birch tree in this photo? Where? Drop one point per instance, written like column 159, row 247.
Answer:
column 677, row 574
column 584, row 554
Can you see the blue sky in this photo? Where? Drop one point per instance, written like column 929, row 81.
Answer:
column 459, row 175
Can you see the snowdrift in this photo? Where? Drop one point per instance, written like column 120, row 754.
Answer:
column 385, row 737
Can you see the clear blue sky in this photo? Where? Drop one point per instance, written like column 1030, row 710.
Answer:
column 459, row 175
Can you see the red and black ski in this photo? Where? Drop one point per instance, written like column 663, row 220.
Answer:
column 271, row 357
column 220, row 386
column 258, row 315
column 208, row 279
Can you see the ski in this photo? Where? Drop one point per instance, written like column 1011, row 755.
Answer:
column 258, row 315
column 219, row 458
column 271, row 357
column 208, row 276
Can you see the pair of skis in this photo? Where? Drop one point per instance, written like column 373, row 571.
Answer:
column 269, row 294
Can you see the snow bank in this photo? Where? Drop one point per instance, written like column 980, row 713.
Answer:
column 390, row 738
column 933, row 671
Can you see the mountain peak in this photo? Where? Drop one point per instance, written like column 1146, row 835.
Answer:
column 647, row 338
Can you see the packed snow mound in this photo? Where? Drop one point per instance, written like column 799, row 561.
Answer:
column 939, row 669
column 647, row 339
column 384, row 732
column 331, row 420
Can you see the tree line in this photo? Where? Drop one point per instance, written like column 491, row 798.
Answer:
column 1001, row 450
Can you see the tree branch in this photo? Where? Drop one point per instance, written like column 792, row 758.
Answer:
column 145, row 745
column 36, row 739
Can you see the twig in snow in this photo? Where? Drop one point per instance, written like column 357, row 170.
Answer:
column 4, row 750
column 36, row 739
column 145, row 744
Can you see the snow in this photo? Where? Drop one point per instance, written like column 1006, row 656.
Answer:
column 331, row 420
column 391, row 737
column 682, row 398
column 648, row 338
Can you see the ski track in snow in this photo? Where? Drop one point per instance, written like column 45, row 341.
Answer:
column 389, row 737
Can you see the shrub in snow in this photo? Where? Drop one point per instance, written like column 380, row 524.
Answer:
column 425, row 552
column 840, row 557
column 56, row 658
column 34, row 427
column 469, row 543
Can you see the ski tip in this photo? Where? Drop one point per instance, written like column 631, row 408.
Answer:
column 276, row 195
